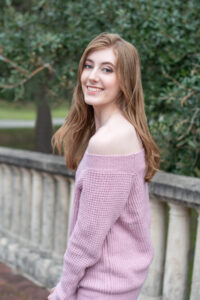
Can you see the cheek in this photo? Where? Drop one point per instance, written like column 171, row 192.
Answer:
column 83, row 77
column 115, row 85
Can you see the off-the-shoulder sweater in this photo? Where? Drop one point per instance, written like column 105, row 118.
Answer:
column 109, row 247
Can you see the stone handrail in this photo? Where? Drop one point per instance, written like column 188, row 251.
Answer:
column 36, row 194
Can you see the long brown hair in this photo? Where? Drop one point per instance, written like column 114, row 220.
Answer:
column 79, row 126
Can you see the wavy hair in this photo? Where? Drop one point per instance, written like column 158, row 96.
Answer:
column 73, row 136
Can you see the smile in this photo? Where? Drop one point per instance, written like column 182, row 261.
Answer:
column 94, row 89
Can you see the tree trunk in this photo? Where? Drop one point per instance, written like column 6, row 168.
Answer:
column 44, row 128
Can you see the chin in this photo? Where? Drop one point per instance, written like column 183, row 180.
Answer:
column 92, row 101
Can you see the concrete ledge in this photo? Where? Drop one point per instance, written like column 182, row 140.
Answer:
column 178, row 189
column 183, row 190
column 35, row 160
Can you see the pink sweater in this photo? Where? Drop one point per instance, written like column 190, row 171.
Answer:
column 109, row 247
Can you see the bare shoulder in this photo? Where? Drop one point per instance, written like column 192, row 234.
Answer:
column 122, row 140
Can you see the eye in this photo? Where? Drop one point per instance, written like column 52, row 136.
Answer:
column 87, row 66
column 107, row 70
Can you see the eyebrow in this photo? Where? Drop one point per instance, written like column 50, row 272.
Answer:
column 103, row 63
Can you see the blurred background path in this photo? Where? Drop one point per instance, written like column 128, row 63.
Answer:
column 14, row 286
column 26, row 123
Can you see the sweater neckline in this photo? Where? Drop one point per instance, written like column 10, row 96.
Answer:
column 115, row 155
column 133, row 162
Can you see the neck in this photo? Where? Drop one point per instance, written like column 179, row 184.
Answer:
column 104, row 116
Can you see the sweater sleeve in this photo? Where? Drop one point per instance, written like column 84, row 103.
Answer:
column 103, row 196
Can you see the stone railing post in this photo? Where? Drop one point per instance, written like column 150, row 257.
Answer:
column 71, row 197
column 16, row 203
column 61, row 215
column 177, row 257
column 195, row 290
column 48, row 218
column 37, row 199
column 152, row 288
column 7, row 198
column 1, row 197
column 26, row 205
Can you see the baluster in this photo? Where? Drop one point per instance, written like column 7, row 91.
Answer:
column 152, row 288
column 17, row 202
column 7, row 198
column 1, row 197
column 71, row 199
column 37, row 198
column 26, row 206
column 61, row 216
column 48, row 214
column 195, row 289
column 176, row 265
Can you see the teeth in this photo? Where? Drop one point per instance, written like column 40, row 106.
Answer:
column 94, row 89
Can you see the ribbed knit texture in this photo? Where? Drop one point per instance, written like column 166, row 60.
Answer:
column 109, row 245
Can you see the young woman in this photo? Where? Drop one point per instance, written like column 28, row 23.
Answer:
column 106, row 140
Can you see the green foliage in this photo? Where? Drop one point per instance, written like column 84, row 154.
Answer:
column 48, row 37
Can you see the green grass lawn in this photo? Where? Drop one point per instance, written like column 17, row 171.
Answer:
column 26, row 111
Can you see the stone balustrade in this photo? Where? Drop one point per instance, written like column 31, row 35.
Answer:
column 36, row 194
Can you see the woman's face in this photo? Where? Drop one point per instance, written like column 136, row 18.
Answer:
column 99, row 78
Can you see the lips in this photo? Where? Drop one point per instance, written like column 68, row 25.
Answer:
column 94, row 89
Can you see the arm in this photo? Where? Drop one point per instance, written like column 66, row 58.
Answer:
column 103, row 197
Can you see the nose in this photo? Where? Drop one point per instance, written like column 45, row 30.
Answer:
column 93, row 75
